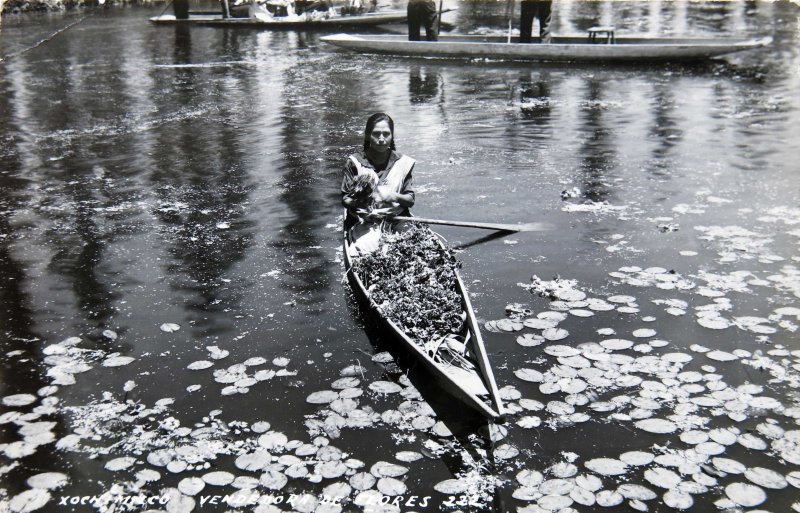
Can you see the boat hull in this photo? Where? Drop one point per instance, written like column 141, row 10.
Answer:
column 451, row 380
column 561, row 49
column 216, row 20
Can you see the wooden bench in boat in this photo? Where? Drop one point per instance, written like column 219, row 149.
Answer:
column 607, row 30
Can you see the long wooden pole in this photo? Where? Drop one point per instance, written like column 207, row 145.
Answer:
column 528, row 227
column 439, row 23
column 510, row 14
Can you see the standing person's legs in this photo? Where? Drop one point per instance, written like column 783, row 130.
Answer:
column 431, row 20
column 544, row 13
column 181, row 8
column 413, row 21
column 527, row 12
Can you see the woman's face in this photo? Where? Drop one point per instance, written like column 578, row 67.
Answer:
column 380, row 140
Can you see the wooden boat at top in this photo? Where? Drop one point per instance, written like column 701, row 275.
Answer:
column 560, row 49
column 304, row 22
column 476, row 386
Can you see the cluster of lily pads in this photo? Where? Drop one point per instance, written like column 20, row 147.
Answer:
column 732, row 444
column 641, row 382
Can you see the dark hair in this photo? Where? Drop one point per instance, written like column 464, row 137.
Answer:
column 374, row 120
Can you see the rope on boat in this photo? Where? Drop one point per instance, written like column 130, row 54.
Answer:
column 45, row 40
column 165, row 8
column 441, row 351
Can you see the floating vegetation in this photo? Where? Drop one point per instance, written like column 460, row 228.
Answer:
column 170, row 327
column 412, row 280
column 708, row 420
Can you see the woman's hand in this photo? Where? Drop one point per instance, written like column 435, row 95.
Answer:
column 384, row 194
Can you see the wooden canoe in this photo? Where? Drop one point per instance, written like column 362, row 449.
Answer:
column 300, row 22
column 475, row 387
column 561, row 49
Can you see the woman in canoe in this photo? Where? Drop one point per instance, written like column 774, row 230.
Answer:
column 377, row 185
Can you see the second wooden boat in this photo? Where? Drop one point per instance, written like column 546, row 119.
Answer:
column 474, row 383
column 294, row 22
column 561, row 49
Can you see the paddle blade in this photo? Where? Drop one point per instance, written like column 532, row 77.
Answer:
column 535, row 227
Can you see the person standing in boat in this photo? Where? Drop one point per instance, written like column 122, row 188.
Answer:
column 422, row 13
column 377, row 185
column 530, row 9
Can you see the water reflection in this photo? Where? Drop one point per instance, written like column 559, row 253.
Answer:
column 536, row 101
column 307, row 265
column 202, row 192
column 665, row 128
column 424, row 85
column 182, row 51
column 597, row 148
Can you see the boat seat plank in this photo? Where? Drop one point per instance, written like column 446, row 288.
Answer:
column 468, row 381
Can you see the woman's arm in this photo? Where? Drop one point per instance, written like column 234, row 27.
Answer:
column 350, row 173
column 405, row 198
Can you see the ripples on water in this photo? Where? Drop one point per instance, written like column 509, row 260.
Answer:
column 170, row 259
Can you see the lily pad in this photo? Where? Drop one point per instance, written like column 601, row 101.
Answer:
column 540, row 324
column 677, row 499
column 408, row 456
column 745, row 494
column 322, row 397
column 636, row 458
column 529, row 422
column 766, row 478
column 191, row 485
column 48, row 480
column 120, row 463
column 362, row 481
column 506, row 452
column 386, row 469
column 253, row 461
column 19, row 399
column 616, row 344
column 530, row 340
column 659, row 426
column 555, row 334
column 721, row 356
column 661, row 477
column 607, row 466
column 391, row 486
column 273, row 480
column 530, row 478
column 530, row 375
column 169, row 327
column 218, row 478
column 117, row 361
column 385, row 387
column 636, row 491
column 609, row 498
column 29, row 500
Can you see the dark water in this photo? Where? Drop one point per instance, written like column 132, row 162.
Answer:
column 156, row 175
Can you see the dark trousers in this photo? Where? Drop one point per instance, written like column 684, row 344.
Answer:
column 423, row 13
column 535, row 9
column 181, row 8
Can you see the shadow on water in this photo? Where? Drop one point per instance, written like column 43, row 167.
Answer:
column 22, row 337
column 481, row 240
column 202, row 194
